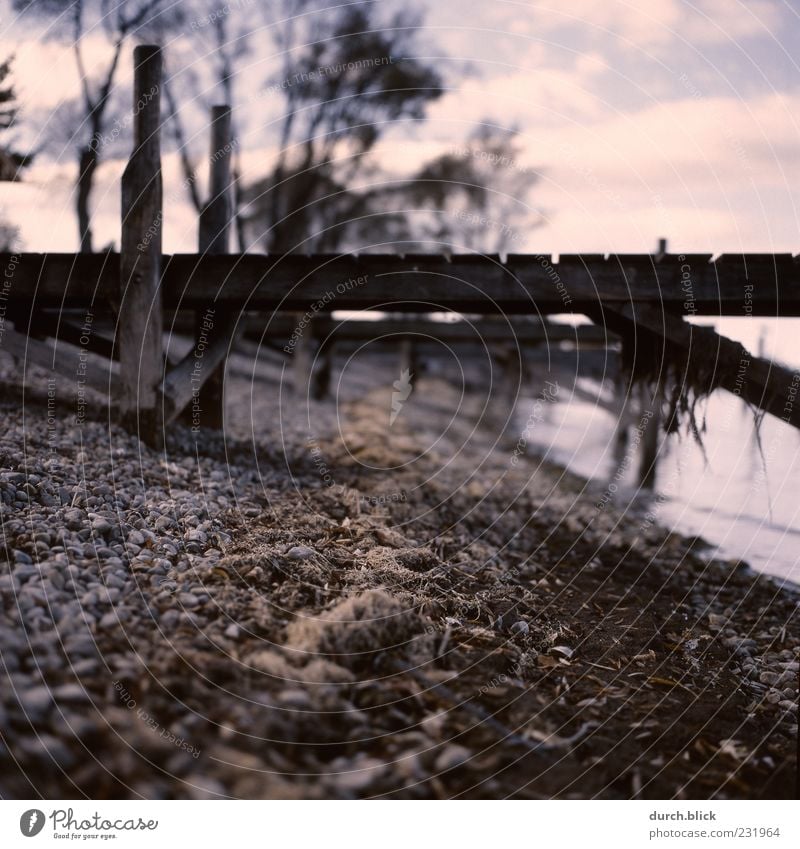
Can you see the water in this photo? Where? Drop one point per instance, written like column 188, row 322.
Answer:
column 741, row 499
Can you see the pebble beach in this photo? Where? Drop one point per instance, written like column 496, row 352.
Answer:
column 320, row 611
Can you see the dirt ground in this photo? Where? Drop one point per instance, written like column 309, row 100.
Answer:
column 422, row 611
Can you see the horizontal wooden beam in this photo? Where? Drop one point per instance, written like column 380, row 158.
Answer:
column 764, row 384
column 278, row 328
column 512, row 331
column 67, row 362
column 733, row 284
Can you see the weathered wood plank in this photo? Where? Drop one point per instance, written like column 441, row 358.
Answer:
column 750, row 284
column 762, row 383
column 182, row 385
column 214, row 238
column 140, row 325
column 63, row 360
column 71, row 331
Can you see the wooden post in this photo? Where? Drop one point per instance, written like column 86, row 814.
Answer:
column 215, row 218
column 651, row 427
column 622, row 391
column 140, row 327
column 408, row 356
column 214, row 238
column 321, row 378
column 303, row 360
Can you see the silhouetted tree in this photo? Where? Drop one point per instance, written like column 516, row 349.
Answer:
column 206, row 63
column 348, row 74
column 476, row 196
column 11, row 161
column 70, row 20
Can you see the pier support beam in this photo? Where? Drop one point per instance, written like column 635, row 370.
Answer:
column 140, row 323
column 214, row 238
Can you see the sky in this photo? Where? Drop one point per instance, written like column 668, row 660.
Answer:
column 654, row 119
column 662, row 118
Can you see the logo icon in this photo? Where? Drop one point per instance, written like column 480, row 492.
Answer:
column 31, row 822
column 402, row 389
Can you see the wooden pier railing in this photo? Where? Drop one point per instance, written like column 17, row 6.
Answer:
column 231, row 294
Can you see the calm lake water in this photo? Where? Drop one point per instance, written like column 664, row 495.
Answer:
column 743, row 501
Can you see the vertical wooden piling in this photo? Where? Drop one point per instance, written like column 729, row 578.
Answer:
column 651, row 401
column 408, row 356
column 214, row 238
column 140, row 327
column 302, row 362
column 321, row 378
column 215, row 218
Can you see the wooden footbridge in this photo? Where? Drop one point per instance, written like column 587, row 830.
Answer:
column 499, row 301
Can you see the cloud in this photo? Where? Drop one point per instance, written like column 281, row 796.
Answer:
column 661, row 22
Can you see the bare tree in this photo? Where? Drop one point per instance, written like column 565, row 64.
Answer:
column 217, row 41
column 72, row 20
column 347, row 75
column 12, row 162
column 476, row 195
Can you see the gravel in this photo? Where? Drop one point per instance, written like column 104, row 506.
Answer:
column 125, row 619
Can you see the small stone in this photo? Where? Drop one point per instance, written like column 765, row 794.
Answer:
column 295, row 700
column 769, row 678
column 716, row 622
column 36, row 702
column 452, row 757
column 70, row 693
column 169, row 619
column 232, row 631
column 521, row 628
column 188, row 599
column 300, row 552
column 565, row 651
column 101, row 525
column 136, row 538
